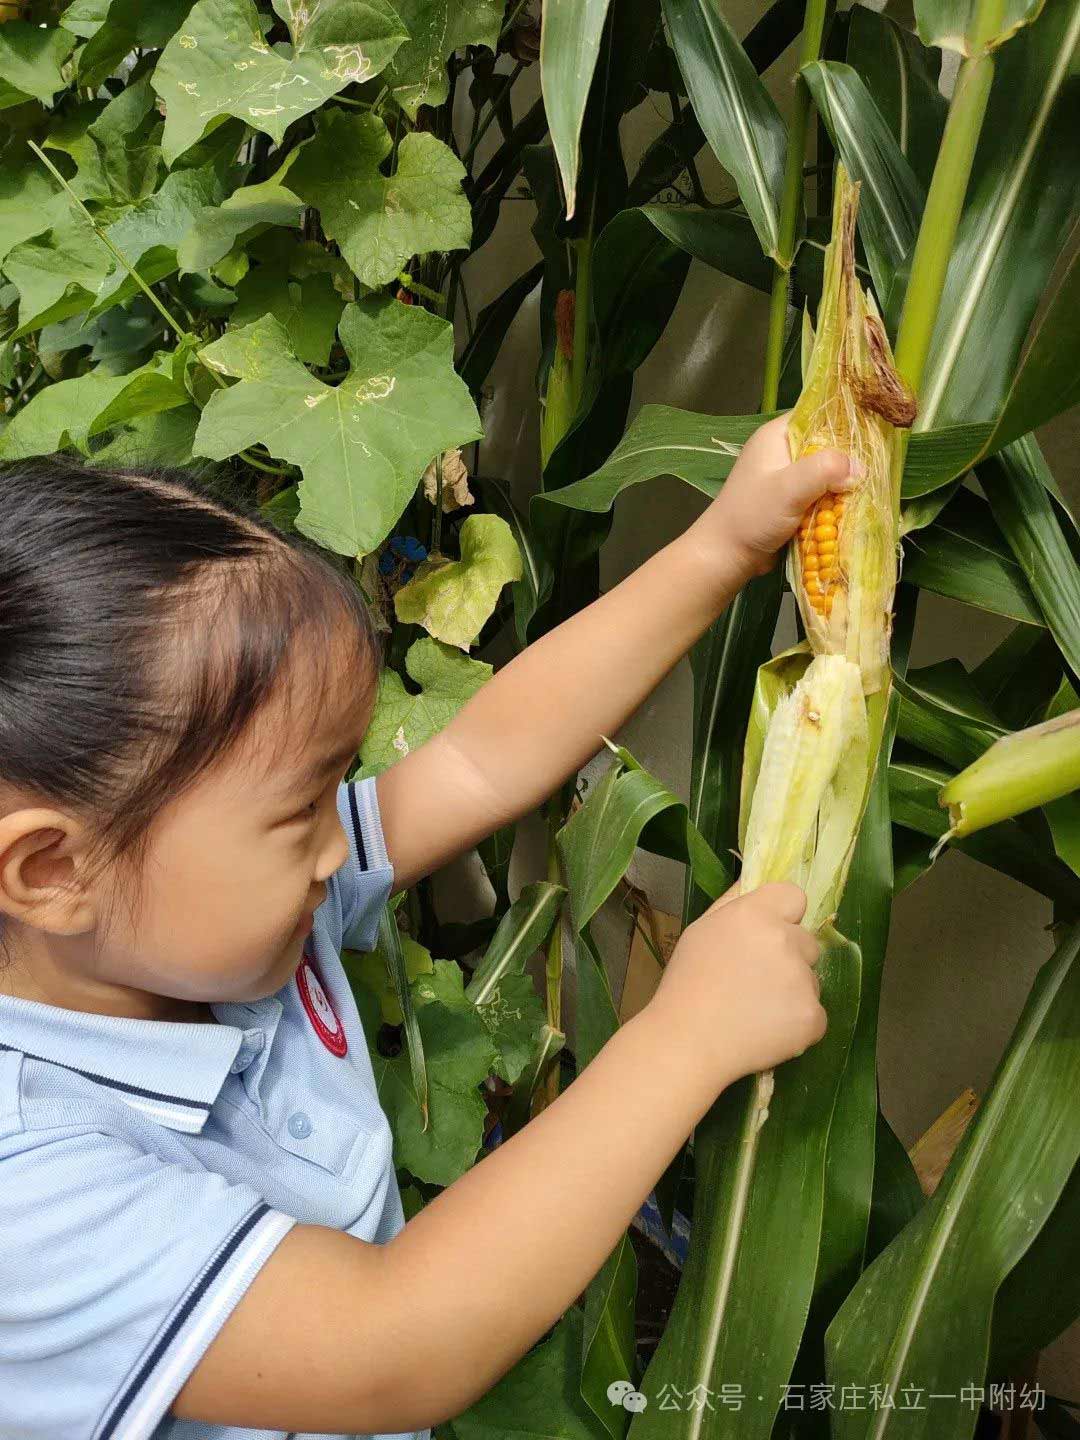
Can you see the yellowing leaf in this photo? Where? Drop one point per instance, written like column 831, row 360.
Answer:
column 453, row 598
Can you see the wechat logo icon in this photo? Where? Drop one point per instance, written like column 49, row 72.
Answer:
column 621, row 1392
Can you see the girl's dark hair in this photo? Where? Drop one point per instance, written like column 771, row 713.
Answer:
column 145, row 618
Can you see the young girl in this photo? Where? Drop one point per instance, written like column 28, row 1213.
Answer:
column 201, row 1227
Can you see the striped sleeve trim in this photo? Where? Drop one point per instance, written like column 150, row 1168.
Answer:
column 367, row 825
column 193, row 1324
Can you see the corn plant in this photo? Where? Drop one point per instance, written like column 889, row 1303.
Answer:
column 198, row 271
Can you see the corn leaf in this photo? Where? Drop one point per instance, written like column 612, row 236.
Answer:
column 735, row 111
column 914, row 785
column 569, row 47
column 897, row 1327
column 963, row 555
column 597, row 843
column 891, row 198
column 1016, row 485
column 951, row 23
column 607, row 1348
column 747, row 1283
column 1021, row 203
column 902, row 76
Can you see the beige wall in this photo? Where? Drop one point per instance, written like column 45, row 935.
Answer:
column 966, row 942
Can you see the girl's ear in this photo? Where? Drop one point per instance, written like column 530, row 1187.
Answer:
column 40, row 871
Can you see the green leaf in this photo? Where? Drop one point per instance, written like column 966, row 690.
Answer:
column 30, row 60
column 371, row 968
column 514, row 1016
column 951, row 24
column 305, row 301
column 492, row 325
column 1020, row 676
column 380, row 220
column 521, row 932
column 1016, row 485
column 597, row 843
column 163, row 438
column 898, row 1325
column 544, row 1383
column 68, row 412
column 401, row 721
column 1012, row 848
column 962, row 555
column 700, row 449
column 891, row 198
column 69, row 269
column 608, row 1351
column 127, row 25
column 724, row 239
column 569, row 46
column 747, row 1283
column 57, row 273
column 214, row 230
column 1048, row 381
column 417, row 73
column 942, row 711
column 452, row 599
column 736, row 112
column 459, row 1055
column 30, row 202
column 1019, row 208
column 363, row 444
column 903, row 77
column 220, row 64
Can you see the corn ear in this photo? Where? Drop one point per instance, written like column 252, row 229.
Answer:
column 842, row 565
column 810, row 787
column 557, row 406
column 1017, row 773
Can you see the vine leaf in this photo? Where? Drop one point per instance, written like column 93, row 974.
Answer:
column 452, row 599
column 30, row 60
column 215, row 228
column 380, row 220
column 361, row 445
column 219, row 63
column 401, row 721
column 417, row 73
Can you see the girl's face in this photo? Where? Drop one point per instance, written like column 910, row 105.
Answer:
column 234, row 868
column 238, row 866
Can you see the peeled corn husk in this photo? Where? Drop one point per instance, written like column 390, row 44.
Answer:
column 1017, row 773
column 843, row 564
column 807, row 763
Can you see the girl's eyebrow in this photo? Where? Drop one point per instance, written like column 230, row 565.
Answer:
column 326, row 764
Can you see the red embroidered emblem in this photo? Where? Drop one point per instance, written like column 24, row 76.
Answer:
column 320, row 1011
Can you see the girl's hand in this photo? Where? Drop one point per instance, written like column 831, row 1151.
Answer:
column 764, row 499
column 740, row 993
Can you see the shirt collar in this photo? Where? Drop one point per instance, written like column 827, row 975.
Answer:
column 169, row 1071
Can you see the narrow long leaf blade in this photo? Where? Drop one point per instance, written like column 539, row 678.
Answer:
column 735, row 111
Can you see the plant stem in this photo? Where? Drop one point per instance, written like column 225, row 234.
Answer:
column 791, row 202
column 100, row 233
column 582, row 301
column 945, row 200
column 436, row 519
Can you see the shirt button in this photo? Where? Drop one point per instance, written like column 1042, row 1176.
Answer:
column 299, row 1126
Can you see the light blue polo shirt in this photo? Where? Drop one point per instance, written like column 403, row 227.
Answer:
column 149, row 1168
